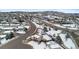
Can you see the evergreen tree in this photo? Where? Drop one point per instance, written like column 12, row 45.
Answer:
column 45, row 29
column 59, row 40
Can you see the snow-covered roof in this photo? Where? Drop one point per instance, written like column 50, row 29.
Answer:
column 4, row 24
column 26, row 26
column 15, row 21
column 21, row 32
column 20, row 27
column 37, row 36
column 9, row 28
column 7, row 31
column 46, row 37
column 14, row 24
column 52, row 32
column 1, row 36
column 70, row 25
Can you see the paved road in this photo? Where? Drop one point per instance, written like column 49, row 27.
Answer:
column 17, row 43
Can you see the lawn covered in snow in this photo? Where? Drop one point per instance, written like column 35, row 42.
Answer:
column 67, row 41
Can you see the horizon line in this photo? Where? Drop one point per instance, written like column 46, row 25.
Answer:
column 41, row 10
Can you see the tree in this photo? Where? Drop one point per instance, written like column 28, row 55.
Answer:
column 67, row 36
column 25, row 29
column 9, row 35
column 45, row 29
column 20, row 20
column 59, row 40
column 49, row 28
column 14, row 30
column 56, row 29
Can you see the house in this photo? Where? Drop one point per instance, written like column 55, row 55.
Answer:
column 69, row 25
column 15, row 21
column 7, row 28
column 46, row 37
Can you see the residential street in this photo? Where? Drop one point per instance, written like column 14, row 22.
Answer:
column 17, row 43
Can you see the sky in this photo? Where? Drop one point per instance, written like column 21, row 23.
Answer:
column 33, row 10
column 66, row 6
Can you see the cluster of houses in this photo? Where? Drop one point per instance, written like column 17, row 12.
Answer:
column 7, row 29
column 62, row 21
column 49, row 38
column 45, row 38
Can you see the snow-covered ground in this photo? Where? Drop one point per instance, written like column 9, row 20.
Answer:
column 53, row 45
column 2, row 39
column 36, row 45
column 68, row 42
column 59, row 25
column 42, row 45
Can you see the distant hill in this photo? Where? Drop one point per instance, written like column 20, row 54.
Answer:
column 56, row 13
